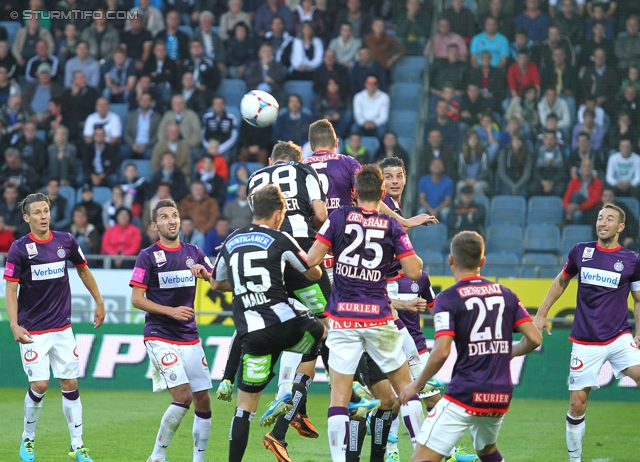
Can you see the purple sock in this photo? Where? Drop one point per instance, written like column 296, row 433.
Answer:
column 493, row 457
column 203, row 415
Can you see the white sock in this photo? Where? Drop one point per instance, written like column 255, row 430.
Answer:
column 168, row 426
column 412, row 416
column 576, row 428
column 289, row 363
column 72, row 409
column 338, row 426
column 395, row 427
column 32, row 407
column 409, row 346
column 201, row 432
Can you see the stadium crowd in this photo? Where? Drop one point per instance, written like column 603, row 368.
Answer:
column 526, row 99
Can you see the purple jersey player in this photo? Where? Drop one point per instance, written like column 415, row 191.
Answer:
column 601, row 331
column 40, row 318
column 165, row 287
column 479, row 316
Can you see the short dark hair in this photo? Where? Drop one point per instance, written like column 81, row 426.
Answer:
column 159, row 205
column 621, row 215
column 370, row 183
column 286, row 150
column 322, row 134
column 388, row 162
column 80, row 209
column 31, row 198
column 467, row 249
column 266, row 201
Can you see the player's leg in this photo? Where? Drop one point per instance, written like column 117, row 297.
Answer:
column 484, row 432
column 225, row 389
column 440, row 432
column 200, row 383
column 381, row 418
column 245, row 411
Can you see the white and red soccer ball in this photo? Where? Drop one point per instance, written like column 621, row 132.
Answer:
column 259, row 108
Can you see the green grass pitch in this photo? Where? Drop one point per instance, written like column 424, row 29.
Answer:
column 120, row 426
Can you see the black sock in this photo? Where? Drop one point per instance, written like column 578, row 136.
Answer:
column 299, row 398
column 233, row 360
column 355, row 438
column 239, row 435
column 380, row 426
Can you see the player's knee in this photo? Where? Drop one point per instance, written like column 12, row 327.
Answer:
column 183, row 396
column 40, row 386
column 488, row 449
column 202, row 401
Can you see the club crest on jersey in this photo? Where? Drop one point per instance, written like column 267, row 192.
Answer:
column 61, row 253
column 32, row 249
column 587, row 253
column 190, row 262
column 618, row 266
column 160, row 256
column 415, row 287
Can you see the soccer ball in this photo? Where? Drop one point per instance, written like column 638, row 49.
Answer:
column 259, row 108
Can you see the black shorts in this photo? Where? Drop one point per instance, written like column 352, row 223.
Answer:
column 368, row 371
column 261, row 349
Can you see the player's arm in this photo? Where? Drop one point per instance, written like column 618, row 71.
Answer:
column 139, row 301
column 422, row 219
column 86, row 276
column 437, row 358
column 636, row 313
column 531, row 340
column 412, row 266
column 417, row 305
column 20, row 334
column 320, row 213
column 317, row 252
column 201, row 272
column 558, row 286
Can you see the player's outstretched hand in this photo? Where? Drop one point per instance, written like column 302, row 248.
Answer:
column 182, row 313
column 98, row 314
column 21, row 335
column 200, row 271
column 542, row 323
column 417, row 305
column 423, row 219
column 409, row 392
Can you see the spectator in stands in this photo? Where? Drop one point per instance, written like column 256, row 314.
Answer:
column 7, row 60
column 13, row 118
column 515, row 165
column 549, row 171
column 550, row 103
column 435, row 149
column 306, row 54
column 134, row 188
column 582, row 151
column 255, row 143
column 186, row 11
column 138, row 41
column 589, row 103
column 534, row 21
column 188, row 232
column 213, row 178
column 489, row 135
column 216, row 237
column 241, row 50
column 84, row 62
column 33, row 150
column 92, row 208
column 600, row 81
column 412, row 27
column 334, row 105
column 172, row 176
column 599, row 13
column 162, row 70
column 187, row 120
column 173, row 144
column 552, row 124
column 202, row 208
column 150, row 15
column 523, row 73
column 24, row 43
column 523, row 42
column 599, row 40
column 623, row 170
column 629, row 235
column 306, row 11
column 141, row 130
column 555, row 40
column 435, row 191
column 346, row 46
column 358, row 18
column 355, row 149
column 449, row 129
column 490, row 80
column 162, row 191
column 222, row 126
column 293, row 125
column 60, row 216
column 385, row 48
column 42, row 56
column 7, row 87
column 570, row 24
column 504, row 18
column 6, row 237
column 627, row 47
column 36, row 96
column 66, row 48
column 102, row 37
column 629, row 102
column 473, row 164
column 176, row 41
column 365, row 67
column 55, row 118
column 232, row 17
column 266, row 12
column 195, row 99
column 18, row 173
column 62, row 157
column 391, row 148
column 123, row 238
column 150, row 236
column 111, row 207
column 100, row 160
column 266, row 73
column 445, row 38
column 562, row 76
column 107, row 120
column 206, row 75
column 591, row 129
column 450, row 71
column 330, row 69
column 582, row 194
column 473, row 105
column 622, row 129
column 238, row 209
column 371, row 110
column 466, row 214
column 280, row 40
column 492, row 41
column 461, row 19
column 79, row 101
column 11, row 212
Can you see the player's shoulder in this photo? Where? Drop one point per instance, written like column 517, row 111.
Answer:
column 304, row 168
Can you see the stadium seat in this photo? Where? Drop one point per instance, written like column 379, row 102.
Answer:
column 12, row 28
column 122, row 111
column 403, row 122
column 539, row 265
column 542, row 238
column 236, row 112
column 484, row 200
column 143, row 166
column 572, row 234
column 406, row 95
column 544, row 209
column 409, row 69
column 101, row 194
column 504, row 238
column 233, row 90
column 507, row 210
column 430, row 237
column 631, row 203
column 303, row 88
column 372, row 144
column 186, row 29
column 433, row 262
column 407, row 143
column 501, row 264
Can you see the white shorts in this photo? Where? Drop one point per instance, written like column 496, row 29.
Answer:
column 52, row 349
column 447, row 422
column 587, row 360
column 382, row 343
column 178, row 364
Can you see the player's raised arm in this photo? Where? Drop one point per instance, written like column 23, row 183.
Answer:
column 408, row 223
column 86, row 276
column 20, row 334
